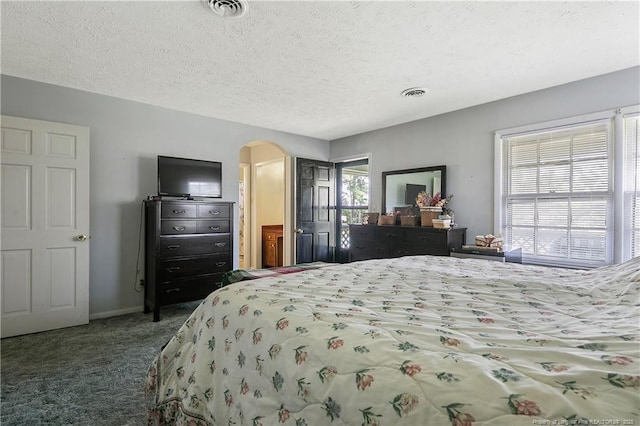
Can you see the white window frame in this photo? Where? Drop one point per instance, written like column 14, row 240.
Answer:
column 628, row 225
column 618, row 226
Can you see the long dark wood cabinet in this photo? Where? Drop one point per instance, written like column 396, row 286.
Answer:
column 380, row 241
column 188, row 248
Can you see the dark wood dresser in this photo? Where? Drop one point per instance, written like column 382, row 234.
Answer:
column 188, row 248
column 380, row 241
column 272, row 246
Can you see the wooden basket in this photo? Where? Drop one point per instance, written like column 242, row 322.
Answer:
column 386, row 220
column 409, row 220
column 372, row 218
column 441, row 223
column 427, row 216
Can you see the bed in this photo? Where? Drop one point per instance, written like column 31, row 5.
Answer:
column 417, row 340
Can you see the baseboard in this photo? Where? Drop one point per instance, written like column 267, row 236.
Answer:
column 117, row 312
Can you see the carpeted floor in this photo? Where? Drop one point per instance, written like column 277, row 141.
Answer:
column 86, row 375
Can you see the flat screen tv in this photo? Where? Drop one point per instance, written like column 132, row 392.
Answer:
column 184, row 177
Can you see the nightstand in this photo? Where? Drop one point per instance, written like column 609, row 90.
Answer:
column 508, row 254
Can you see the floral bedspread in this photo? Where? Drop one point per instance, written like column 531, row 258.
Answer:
column 417, row 340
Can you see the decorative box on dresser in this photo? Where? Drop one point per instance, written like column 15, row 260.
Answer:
column 381, row 241
column 188, row 248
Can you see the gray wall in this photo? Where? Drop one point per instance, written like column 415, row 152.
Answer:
column 126, row 137
column 464, row 140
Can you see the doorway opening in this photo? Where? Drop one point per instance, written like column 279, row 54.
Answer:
column 264, row 202
column 352, row 201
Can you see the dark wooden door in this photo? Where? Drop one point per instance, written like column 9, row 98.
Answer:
column 315, row 211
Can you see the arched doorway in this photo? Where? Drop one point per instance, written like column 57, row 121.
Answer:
column 265, row 201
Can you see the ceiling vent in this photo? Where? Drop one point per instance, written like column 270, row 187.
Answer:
column 414, row 92
column 228, row 8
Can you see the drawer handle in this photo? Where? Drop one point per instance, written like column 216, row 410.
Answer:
column 173, row 290
column 179, row 211
column 173, row 247
column 173, row 269
column 220, row 244
column 220, row 264
column 214, row 228
column 178, row 228
column 214, row 212
column 359, row 247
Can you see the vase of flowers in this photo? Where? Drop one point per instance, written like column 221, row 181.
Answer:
column 431, row 206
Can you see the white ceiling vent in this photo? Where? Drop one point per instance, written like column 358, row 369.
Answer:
column 228, row 8
column 414, row 92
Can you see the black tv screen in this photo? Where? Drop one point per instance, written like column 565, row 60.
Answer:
column 183, row 177
column 412, row 191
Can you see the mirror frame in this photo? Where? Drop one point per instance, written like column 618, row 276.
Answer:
column 443, row 180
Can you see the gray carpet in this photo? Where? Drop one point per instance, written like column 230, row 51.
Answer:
column 86, row 375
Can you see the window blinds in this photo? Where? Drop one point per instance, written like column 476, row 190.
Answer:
column 558, row 198
column 632, row 184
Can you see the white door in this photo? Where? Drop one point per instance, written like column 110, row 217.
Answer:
column 45, row 225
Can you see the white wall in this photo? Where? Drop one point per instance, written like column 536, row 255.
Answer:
column 126, row 137
column 269, row 195
column 464, row 140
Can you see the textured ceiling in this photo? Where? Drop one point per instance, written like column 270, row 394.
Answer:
column 324, row 69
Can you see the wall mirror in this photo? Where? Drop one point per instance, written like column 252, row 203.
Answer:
column 400, row 187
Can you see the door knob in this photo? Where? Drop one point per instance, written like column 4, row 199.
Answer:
column 81, row 238
column 299, row 231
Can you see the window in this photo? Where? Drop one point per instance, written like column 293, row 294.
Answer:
column 632, row 185
column 557, row 198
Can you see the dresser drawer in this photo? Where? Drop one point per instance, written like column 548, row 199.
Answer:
column 391, row 234
column 367, row 250
column 178, row 210
column 194, row 245
column 428, row 238
column 362, row 232
column 177, row 227
column 271, row 236
column 214, row 211
column 173, row 268
column 188, row 289
column 399, row 250
column 212, row 226
column 221, row 243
